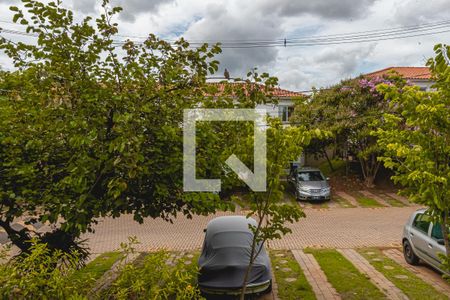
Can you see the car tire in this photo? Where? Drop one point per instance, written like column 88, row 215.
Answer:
column 408, row 252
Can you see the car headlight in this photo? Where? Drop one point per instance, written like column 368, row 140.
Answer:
column 302, row 189
column 326, row 190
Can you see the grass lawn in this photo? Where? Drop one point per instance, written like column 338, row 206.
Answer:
column 344, row 277
column 341, row 201
column 367, row 202
column 393, row 201
column 95, row 269
column 297, row 289
column 411, row 285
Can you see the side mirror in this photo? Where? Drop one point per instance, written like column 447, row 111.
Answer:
column 441, row 242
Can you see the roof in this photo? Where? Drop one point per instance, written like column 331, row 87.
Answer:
column 277, row 92
column 405, row 72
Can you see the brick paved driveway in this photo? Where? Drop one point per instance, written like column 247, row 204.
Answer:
column 336, row 228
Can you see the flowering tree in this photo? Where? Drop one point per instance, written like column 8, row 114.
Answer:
column 349, row 110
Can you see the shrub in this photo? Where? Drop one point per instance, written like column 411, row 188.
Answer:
column 156, row 278
column 39, row 274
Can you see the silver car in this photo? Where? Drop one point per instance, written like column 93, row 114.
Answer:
column 309, row 184
column 423, row 240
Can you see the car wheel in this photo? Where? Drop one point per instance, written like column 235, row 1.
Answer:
column 410, row 257
column 269, row 288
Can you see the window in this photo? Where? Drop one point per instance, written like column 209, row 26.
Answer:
column 285, row 112
column 422, row 222
column 310, row 176
column 436, row 232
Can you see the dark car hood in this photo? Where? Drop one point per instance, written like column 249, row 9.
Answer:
column 226, row 267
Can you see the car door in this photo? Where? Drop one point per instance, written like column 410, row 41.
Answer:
column 435, row 246
column 419, row 237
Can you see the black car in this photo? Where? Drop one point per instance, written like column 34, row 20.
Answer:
column 225, row 257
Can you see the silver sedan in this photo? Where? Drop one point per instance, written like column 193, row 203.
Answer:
column 310, row 184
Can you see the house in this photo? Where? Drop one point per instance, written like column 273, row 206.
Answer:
column 283, row 109
column 420, row 76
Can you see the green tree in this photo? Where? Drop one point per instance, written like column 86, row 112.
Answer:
column 416, row 140
column 88, row 131
column 348, row 110
column 285, row 144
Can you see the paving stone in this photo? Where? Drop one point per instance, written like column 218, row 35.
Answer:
column 348, row 197
column 283, row 261
column 371, row 253
column 289, row 279
column 388, row 267
column 423, row 272
column 109, row 276
column 377, row 259
column 17, row 226
column 280, row 255
column 401, row 276
column 286, row 270
column 315, row 276
column 187, row 262
column 387, row 287
column 331, row 228
column 3, row 238
column 397, row 197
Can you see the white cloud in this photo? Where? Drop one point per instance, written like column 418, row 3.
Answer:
column 298, row 68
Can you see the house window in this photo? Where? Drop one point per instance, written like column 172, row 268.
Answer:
column 285, row 112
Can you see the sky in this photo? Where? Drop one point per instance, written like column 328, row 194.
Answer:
column 298, row 68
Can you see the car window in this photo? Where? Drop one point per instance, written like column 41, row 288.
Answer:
column 310, row 176
column 422, row 222
column 436, row 232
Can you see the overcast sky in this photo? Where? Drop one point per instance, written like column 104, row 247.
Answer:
column 298, row 68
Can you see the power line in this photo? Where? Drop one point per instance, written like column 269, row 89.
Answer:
column 349, row 38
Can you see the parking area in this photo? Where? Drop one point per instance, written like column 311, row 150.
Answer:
column 336, row 228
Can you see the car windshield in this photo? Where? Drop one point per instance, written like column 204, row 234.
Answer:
column 310, row 176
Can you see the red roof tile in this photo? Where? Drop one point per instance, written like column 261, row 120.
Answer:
column 406, row 72
column 277, row 92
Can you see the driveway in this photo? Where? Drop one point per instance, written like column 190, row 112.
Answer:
column 334, row 228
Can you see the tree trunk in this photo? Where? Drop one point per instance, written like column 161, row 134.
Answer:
column 18, row 238
column 328, row 160
column 369, row 181
column 369, row 169
column 247, row 272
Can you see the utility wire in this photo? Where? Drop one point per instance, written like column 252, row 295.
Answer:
column 349, row 38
